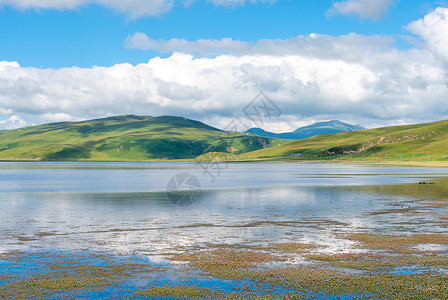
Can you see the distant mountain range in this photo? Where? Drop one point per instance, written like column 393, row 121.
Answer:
column 334, row 126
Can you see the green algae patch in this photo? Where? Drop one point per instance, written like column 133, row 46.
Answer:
column 304, row 282
column 381, row 263
column 376, row 274
column 388, row 268
column 39, row 287
column 228, row 258
column 394, row 243
column 196, row 292
column 296, row 247
column 227, row 263
column 178, row 292
column 53, row 274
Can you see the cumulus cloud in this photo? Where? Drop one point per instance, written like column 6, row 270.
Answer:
column 175, row 91
column 314, row 44
column 382, row 86
column 364, row 9
column 13, row 122
column 204, row 47
column 355, row 78
column 433, row 29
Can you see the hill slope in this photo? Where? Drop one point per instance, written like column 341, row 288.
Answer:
column 333, row 126
column 126, row 137
column 420, row 141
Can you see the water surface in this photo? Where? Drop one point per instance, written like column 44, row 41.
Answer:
column 123, row 207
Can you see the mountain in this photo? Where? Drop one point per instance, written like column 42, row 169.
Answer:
column 428, row 141
column 333, row 126
column 126, row 137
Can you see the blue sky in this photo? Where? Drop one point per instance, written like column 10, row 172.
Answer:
column 93, row 35
column 370, row 62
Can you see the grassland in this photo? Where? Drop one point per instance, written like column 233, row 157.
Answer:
column 140, row 138
column 420, row 144
column 124, row 138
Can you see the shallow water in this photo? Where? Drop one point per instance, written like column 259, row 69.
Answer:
column 123, row 207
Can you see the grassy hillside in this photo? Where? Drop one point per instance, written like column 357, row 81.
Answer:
column 410, row 142
column 126, row 137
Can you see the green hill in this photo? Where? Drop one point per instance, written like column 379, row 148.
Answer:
column 427, row 141
column 126, row 137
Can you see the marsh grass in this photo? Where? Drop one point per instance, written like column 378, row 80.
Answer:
column 257, row 272
column 196, row 292
column 309, row 282
column 227, row 263
column 380, row 263
column 437, row 203
column 305, row 282
column 371, row 274
column 178, row 291
column 394, row 243
column 296, row 247
column 59, row 274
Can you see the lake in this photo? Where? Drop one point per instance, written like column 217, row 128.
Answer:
column 124, row 207
column 148, row 210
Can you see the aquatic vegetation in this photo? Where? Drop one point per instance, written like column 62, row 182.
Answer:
column 381, row 263
column 178, row 291
column 55, row 274
column 258, row 272
column 196, row 292
column 296, row 247
column 437, row 202
column 312, row 281
column 40, row 286
column 393, row 243
column 226, row 263
column 399, row 272
column 305, row 282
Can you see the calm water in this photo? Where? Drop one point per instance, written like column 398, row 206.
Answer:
column 123, row 207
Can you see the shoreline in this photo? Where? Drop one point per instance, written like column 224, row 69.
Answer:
column 438, row 164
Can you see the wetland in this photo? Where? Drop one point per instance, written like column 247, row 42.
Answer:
column 252, row 230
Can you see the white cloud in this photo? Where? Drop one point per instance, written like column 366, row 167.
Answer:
column 139, row 8
column 433, row 29
column 364, row 9
column 176, row 91
column 13, row 122
column 237, row 2
column 203, row 47
column 361, row 79
column 133, row 8
column 314, row 44
column 44, row 4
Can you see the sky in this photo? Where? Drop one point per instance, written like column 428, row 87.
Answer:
column 368, row 62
